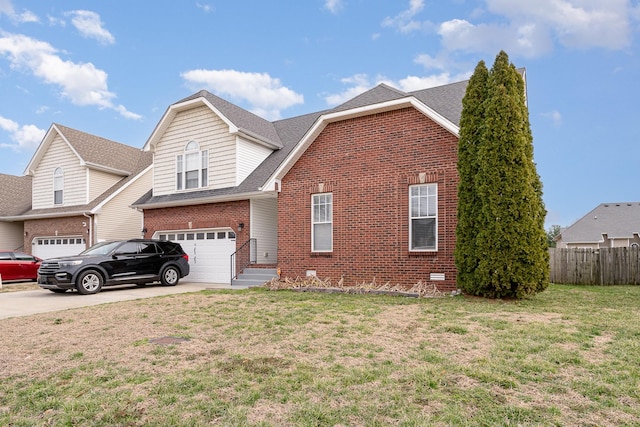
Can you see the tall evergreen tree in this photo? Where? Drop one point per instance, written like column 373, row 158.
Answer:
column 471, row 124
column 510, row 244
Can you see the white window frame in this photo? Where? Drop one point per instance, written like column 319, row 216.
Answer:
column 58, row 185
column 192, row 151
column 428, row 211
column 324, row 217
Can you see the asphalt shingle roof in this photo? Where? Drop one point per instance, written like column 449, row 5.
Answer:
column 616, row 220
column 101, row 151
column 445, row 100
column 15, row 194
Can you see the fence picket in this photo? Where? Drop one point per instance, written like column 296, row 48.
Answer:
column 605, row 266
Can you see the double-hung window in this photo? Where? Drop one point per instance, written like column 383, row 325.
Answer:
column 322, row 222
column 192, row 167
column 423, row 217
column 58, row 186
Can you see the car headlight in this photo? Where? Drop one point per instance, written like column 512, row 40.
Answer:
column 70, row 263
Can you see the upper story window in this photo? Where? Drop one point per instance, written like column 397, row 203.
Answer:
column 423, row 217
column 192, row 167
column 58, row 186
column 322, row 222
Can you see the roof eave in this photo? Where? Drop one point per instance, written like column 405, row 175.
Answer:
column 206, row 200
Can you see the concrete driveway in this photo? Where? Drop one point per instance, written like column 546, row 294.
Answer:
column 25, row 303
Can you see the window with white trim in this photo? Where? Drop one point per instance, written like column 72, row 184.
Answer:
column 58, row 186
column 423, row 217
column 192, row 167
column 322, row 222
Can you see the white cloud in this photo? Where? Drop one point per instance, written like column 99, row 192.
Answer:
column 6, row 8
column 554, row 116
column 82, row 83
column 575, row 23
column 266, row 95
column 25, row 136
column 91, row 26
column 334, row 6
column 404, row 21
column 357, row 84
column 531, row 29
column 207, row 8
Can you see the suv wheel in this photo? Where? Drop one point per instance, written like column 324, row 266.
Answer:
column 170, row 276
column 89, row 282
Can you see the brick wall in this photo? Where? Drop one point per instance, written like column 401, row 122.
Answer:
column 368, row 164
column 66, row 226
column 212, row 215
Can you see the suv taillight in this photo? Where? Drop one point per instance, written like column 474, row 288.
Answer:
column 186, row 256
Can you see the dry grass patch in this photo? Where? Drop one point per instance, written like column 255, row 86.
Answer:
column 261, row 358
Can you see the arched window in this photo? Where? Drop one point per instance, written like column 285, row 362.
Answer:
column 192, row 167
column 58, row 186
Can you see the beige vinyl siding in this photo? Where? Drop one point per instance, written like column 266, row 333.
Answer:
column 99, row 182
column 59, row 154
column 199, row 124
column 116, row 220
column 11, row 235
column 250, row 155
column 264, row 228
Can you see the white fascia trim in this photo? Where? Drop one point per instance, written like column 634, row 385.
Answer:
column 44, row 146
column 325, row 119
column 120, row 190
column 207, row 200
column 47, row 215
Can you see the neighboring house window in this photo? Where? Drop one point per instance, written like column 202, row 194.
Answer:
column 192, row 167
column 322, row 222
column 58, row 186
column 423, row 213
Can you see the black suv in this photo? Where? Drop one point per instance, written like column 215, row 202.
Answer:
column 136, row 261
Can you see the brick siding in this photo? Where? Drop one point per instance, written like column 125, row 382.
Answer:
column 368, row 164
column 65, row 226
column 211, row 215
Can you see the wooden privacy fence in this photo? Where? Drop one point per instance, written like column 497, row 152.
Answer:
column 607, row 266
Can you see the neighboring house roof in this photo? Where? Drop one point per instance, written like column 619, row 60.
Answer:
column 15, row 195
column 443, row 103
column 94, row 152
column 616, row 220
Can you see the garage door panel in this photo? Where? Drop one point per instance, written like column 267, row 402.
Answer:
column 54, row 247
column 209, row 253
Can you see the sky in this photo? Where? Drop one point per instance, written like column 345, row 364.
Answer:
column 112, row 68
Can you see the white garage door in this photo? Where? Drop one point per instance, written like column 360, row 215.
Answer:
column 209, row 253
column 53, row 247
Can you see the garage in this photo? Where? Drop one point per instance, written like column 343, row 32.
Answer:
column 209, row 252
column 58, row 246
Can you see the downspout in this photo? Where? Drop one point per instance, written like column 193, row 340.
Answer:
column 90, row 218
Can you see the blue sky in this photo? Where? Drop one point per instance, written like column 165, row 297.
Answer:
column 111, row 68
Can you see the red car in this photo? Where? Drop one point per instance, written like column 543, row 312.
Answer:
column 18, row 266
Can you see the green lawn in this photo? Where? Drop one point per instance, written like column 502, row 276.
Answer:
column 570, row 356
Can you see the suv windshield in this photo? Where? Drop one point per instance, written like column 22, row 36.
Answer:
column 101, row 248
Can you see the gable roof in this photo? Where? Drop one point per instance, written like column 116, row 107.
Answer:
column 15, row 195
column 616, row 220
column 443, row 104
column 239, row 120
column 92, row 151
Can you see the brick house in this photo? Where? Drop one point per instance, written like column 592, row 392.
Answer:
column 364, row 191
column 79, row 190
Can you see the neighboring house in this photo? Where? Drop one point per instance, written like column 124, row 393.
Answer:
column 81, row 187
column 366, row 191
column 609, row 225
column 15, row 198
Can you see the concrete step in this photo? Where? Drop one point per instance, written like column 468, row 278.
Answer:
column 254, row 276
